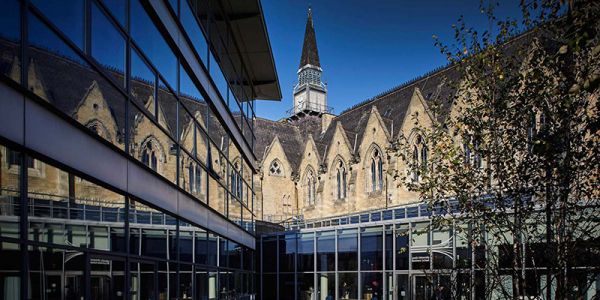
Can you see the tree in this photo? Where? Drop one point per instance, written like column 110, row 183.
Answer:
column 517, row 149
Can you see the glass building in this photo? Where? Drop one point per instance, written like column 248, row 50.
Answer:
column 399, row 254
column 126, row 147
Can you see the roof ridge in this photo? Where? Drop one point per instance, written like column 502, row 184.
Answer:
column 403, row 85
column 519, row 34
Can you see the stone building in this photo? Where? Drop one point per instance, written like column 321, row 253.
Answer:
column 316, row 164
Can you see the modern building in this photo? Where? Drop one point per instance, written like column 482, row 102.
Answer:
column 126, row 148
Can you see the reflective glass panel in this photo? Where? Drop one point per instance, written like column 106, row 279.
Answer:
column 371, row 249
column 10, row 36
column 67, row 15
column 326, row 251
column 347, row 250
column 10, row 170
column 108, row 45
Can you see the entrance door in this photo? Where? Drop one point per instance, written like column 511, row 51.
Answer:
column 107, row 278
column 424, row 287
column 402, row 288
column 143, row 280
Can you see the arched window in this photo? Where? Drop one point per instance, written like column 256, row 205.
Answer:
column 191, row 174
column 237, row 183
column 341, row 180
column 195, row 178
column 311, row 187
column 198, row 179
column 420, row 156
column 150, row 155
column 275, row 169
column 415, row 162
column 376, row 171
column 476, row 156
column 98, row 128
column 467, row 150
column 424, row 156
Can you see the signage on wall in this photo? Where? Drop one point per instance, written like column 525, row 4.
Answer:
column 420, row 259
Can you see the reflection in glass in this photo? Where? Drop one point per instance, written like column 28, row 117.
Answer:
column 151, row 42
column 326, row 286
column 143, row 83
column 63, row 79
column 347, row 250
column 371, row 249
column 10, row 277
column 10, row 168
column 305, row 252
column 50, row 268
column 348, row 289
column 185, row 282
column 10, row 36
column 194, row 31
column 118, row 9
column 67, row 16
column 108, row 45
column 402, row 239
column 372, row 285
column 142, row 281
column 151, row 146
column 287, row 253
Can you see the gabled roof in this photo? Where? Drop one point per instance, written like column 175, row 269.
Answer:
column 393, row 104
column 289, row 136
column 310, row 54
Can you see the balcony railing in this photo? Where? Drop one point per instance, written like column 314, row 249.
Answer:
column 309, row 108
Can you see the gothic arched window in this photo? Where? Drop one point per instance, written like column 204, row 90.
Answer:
column 376, row 171
column 420, row 155
column 467, row 150
column 275, row 168
column 311, row 187
column 237, row 183
column 150, row 155
column 415, row 162
column 195, row 178
column 341, row 186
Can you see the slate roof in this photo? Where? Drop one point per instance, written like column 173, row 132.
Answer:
column 289, row 136
column 393, row 105
column 310, row 54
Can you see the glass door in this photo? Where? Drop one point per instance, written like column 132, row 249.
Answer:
column 431, row 286
column 107, row 278
column 143, row 280
column 402, row 288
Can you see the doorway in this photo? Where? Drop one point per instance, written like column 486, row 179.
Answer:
column 107, row 278
column 425, row 286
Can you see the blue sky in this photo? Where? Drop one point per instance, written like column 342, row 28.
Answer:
column 365, row 47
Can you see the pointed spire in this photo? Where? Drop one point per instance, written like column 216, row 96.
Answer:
column 310, row 54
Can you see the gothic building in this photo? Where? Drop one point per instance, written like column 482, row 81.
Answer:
column 316, row 164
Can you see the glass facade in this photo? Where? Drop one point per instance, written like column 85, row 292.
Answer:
column 115, row 74
column 83, row 238
column 396, row 259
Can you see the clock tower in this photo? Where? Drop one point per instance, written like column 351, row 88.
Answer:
column 310, row 93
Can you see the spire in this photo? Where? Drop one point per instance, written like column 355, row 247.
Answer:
column 310, row 54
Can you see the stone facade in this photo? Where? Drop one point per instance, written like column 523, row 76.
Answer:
column 315, row 164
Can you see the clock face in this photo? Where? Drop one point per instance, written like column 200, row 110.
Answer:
column 300, row 99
